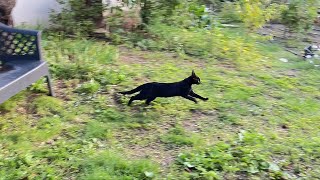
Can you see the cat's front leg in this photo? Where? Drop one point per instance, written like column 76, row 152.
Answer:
column 191, row 98
column 193, row 94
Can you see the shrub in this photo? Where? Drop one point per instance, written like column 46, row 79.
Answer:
column 215, row 43
column 77, row 16
column 254, row 14
column 300, row 15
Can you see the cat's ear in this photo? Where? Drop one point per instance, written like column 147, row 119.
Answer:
column 193, row 74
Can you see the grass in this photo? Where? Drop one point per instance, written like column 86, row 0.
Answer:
column 261, row 120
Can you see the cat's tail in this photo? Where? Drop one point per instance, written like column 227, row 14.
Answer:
column 139, row 88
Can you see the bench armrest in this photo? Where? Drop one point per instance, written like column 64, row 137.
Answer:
column 19, row 44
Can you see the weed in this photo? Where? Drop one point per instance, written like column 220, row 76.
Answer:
column 109, row 165
column 90, row 87
column 97, row 130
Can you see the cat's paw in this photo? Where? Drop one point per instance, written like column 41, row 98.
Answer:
column 206, row 99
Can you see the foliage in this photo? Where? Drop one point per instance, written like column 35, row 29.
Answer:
column 180, row 13
column 97, row 130
column 45, row 105
column 77, row 16
column 81, row 59
column 179, row 137
column 254, row 13
column 109, row 165
column 215, row 43
column 246, row 155
column 300, row 15
column 90, row 87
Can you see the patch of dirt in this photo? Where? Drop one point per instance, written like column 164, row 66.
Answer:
column 192, row 124
column 155, row 152
column 60, row 90
column 227, row 66
column 290, row 73
column 132, row 59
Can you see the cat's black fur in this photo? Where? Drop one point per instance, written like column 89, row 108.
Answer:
column 150, row 91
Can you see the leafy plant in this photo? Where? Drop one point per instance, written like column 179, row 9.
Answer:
column 245, row 155
column 109, row 165
column 97, row 130
column 254, row 13
column 90, row 87
column 215, row 44
column 46, row 105
column 300, row 15
column 77, row 16
column 179, row 137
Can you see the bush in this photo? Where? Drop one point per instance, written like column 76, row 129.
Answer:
column 254, row 14
column 215, row 43
column 300, row 15
column 77, row 16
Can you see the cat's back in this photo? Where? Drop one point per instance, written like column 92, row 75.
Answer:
column 162, row 84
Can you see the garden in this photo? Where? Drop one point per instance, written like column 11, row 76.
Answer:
column 262, row 119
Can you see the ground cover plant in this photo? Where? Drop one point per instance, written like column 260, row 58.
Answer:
column 261, row 120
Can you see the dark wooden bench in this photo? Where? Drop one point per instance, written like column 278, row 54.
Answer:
column 21, row 61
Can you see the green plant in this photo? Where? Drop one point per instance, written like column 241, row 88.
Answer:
column 254, row 13
column 39, row 86
column 213, row 44
column 179, row 137
column 245, row 155
column 300, row 15
column 90, row 87
column 79, row 58
column 77, row 16
column 109, row 165
column 46, row 105
column 97, row 130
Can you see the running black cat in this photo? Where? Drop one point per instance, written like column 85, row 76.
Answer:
column 150, row 91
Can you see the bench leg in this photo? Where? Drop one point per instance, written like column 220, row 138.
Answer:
column 50, row 87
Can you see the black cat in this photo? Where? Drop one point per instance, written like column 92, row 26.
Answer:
column 150, row 91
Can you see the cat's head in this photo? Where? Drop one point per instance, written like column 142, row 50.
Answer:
column 194, row 78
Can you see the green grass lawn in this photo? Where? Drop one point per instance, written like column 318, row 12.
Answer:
column 262, row 119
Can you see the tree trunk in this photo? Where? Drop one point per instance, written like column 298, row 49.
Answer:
column 98, row 20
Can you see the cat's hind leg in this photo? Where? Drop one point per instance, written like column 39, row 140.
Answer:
column 148, row 101
column 136, row 97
